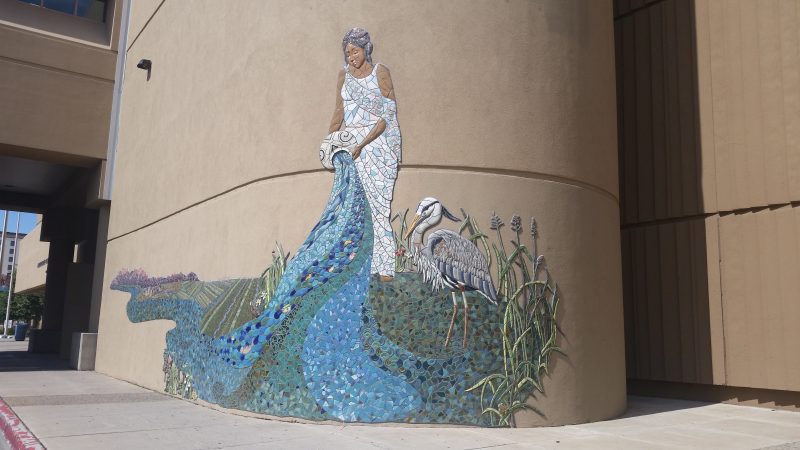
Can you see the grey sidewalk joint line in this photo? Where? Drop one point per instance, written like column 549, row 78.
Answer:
column 83, row 399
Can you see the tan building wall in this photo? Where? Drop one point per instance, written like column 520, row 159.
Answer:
column 32, row 264
column 503, row 107
column 709, row 119
column 56, row 86
column 58, row 72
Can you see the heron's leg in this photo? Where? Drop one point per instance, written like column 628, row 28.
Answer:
column 452, row 320
column 466, row 317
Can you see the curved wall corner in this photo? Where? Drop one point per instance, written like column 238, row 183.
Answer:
column 504, row 108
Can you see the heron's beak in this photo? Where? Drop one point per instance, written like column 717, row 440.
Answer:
column 411, row 227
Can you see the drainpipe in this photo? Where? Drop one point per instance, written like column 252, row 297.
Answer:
column 2, row 247
column 3, row 235
column 119, row 77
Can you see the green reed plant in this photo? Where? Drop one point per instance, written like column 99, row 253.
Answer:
column 269, row 279
column 402, row 260
column 529, row 331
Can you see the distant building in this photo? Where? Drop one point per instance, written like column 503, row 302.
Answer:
column 10, row 254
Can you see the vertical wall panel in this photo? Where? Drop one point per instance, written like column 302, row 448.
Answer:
column 660, row 159
column 686, row 105
column 750, row 59
column 660, row 177
column 705, row 108
column 673, row 114
column 644, row 118
column 715, row 314
column 788, row 266
column 790, row 76
column 772, row 118
column 684, row 324
column 702, row 262
column 641, row 326
column 627, row 68
column 628, row 307
column 759, row 281
column 770, row 293
column 658, row 124
column 670, row 307
column 670, row 325
column 652, row 270
column 751, row 94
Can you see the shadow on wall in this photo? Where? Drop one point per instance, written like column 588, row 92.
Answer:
column 664, row 228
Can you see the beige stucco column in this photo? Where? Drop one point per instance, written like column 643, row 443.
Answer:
column 505, row 107
column 517, row 115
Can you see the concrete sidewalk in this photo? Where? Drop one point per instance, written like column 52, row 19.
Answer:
column 86, row 410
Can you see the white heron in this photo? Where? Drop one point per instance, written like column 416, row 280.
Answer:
column 449, row 259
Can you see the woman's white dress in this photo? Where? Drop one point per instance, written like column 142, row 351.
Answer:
column 364, row 105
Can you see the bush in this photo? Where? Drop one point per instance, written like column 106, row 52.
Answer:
column 24, row 307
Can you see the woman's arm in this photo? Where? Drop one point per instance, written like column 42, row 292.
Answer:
column 376, row 131
column 387, row 90
column 338, row 113
column 385, row 82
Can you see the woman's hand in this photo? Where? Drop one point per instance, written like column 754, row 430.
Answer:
column 376, row 131
column 357, row 151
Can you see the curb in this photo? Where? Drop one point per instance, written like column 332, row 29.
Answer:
column 15, row 432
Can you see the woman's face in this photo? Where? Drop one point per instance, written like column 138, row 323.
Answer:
column 355, row 56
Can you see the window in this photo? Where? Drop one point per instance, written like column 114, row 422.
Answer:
column 12, row 243
column 10, row 259
column 11, row 251
column 90, row 9
column 9, row 268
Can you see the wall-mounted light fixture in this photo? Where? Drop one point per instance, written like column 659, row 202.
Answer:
column 145, row 64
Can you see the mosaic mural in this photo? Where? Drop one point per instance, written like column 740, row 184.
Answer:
column 362, row 323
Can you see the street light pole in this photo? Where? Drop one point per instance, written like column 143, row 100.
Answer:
column 2, row 247
column 3, row 234
column 11, row 281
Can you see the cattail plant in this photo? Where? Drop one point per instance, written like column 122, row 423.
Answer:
column 528, row 331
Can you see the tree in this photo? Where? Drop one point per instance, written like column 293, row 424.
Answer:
column 23, row 306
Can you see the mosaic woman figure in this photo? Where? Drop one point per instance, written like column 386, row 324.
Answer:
column 365, row 106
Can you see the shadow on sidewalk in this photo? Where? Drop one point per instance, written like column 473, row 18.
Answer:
column 644, row 406
column 14, row 357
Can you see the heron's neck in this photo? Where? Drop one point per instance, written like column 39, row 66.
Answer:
column 417, row 236
column 419, row 232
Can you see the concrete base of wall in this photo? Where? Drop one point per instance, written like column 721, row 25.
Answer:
column 44, row 341
column 84, row 348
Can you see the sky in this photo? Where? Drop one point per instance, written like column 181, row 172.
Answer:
column 26, row 222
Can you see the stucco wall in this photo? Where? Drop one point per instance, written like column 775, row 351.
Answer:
column 58, row 73
column 503, row 107
column 32, row 251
